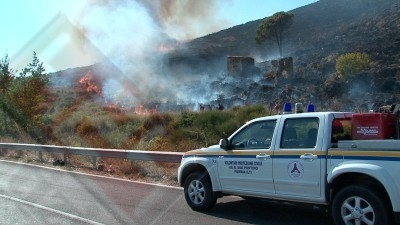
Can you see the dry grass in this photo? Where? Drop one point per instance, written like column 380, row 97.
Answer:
column 76, row 119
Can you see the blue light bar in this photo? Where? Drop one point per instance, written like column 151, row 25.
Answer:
column 287, row 108
column 311, row 108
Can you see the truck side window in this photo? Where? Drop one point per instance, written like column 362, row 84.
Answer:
column 300, row 133
column 256, row 135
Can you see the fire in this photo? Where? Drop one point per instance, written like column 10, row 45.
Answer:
column 119, row 101
column 138, row 110
column 141, row 110
column 89, row 83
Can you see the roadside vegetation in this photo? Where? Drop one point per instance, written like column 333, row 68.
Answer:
column 92, row 126
column 32, row 112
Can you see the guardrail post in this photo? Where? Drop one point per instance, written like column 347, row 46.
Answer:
column 94, row 162
column 40, row 156
column 65, row 159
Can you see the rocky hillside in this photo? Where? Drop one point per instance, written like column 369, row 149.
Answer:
column 322, row 31
column 320, row 28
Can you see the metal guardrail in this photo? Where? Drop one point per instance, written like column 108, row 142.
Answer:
column 174, row 157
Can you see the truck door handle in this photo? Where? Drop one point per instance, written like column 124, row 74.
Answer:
column 309, row 156
column 263, row 156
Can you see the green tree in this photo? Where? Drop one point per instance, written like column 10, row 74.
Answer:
column 6, row 77
column 274, row 27
column 351, row 64
column 29, row 89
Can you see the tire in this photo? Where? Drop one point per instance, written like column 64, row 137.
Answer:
column 359, row 205
column 198, row 192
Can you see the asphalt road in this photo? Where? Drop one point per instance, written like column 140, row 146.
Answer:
column 36, row 195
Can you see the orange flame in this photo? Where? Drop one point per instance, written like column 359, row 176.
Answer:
column 89, row 84
column 141, row 110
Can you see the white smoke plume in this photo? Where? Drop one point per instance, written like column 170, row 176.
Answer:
column 187, row 19
column 132, row 34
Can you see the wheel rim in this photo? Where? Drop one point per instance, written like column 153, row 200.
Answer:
column 357, row 211
column 196, row 192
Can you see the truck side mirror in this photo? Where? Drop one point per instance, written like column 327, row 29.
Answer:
column 224, row 143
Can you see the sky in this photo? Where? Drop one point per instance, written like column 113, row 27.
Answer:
column 45, row 26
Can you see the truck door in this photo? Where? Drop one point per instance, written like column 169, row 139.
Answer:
column 297, row 158
column 247, row 166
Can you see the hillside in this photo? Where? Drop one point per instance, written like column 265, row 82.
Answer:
column 322, row 31
column 326, row 25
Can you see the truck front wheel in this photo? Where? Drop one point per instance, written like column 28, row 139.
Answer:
column 198, row 192
column 359, row 205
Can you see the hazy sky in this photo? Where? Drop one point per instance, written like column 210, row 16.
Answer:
column 23, row 20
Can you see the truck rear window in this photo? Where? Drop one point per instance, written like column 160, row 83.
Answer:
column 341, row 130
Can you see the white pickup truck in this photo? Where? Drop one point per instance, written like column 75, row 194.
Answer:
column 348, row 162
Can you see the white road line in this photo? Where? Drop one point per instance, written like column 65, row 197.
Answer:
column 51, row 210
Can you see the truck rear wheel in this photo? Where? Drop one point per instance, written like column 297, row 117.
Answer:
column 198, row 192
column 359, row 205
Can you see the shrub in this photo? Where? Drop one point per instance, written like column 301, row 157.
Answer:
column 244, row 114
column 156, row 120
column 351, row 64
column 186, row 119
column 333, row 87
column 86, row 128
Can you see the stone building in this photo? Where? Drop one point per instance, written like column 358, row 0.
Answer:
column 283, row 67
column 240, row 65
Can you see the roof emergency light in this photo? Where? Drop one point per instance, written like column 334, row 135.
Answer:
column 287, row 108
column 310, row 108
column 298, row 107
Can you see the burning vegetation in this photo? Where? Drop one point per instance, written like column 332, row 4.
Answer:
column 89, row 84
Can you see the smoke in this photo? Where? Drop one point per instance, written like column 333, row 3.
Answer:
column 134, row 35
column 123, row 31
column 187, row 19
